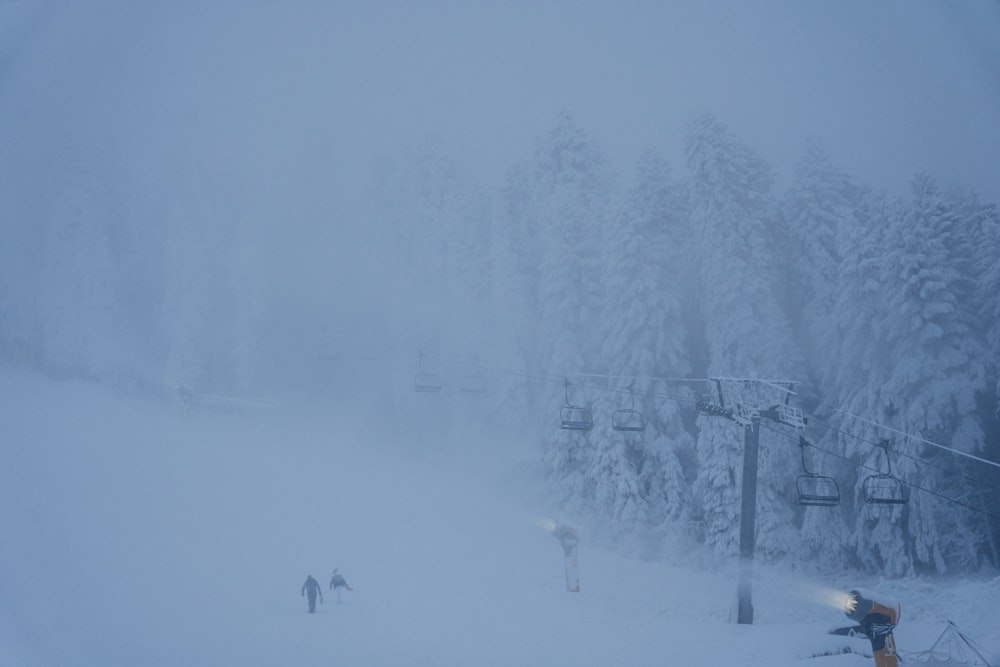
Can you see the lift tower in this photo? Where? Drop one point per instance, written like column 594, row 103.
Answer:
column 746, row 401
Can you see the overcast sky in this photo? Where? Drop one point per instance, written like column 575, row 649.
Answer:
column 892, row 87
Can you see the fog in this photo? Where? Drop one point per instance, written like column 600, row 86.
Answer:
column 892, row 88
column 276, row 117
column 236, row 236
column 275, row 179
column 279, row 114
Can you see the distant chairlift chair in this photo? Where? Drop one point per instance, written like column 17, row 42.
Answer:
column 815, row 490
column 628, row 420
column 424, row 381
column 883, row 489
column 473, row 384
column 575, row 417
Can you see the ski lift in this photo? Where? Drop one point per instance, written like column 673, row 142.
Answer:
column 815, row 490
column 575, row 417
column 473, row 384
column 884, row 489
column 628, row 420
column 424, row 381
column 789, row 415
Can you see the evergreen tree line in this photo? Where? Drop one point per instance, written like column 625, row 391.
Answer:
column 883, row 307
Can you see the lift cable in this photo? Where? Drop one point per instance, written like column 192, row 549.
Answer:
column 967, row 478
column 774, row 384
column 913, row 437
column 497, row 369
column 561, row 379
column 640, row 377
column 876, row 470
column 626, row 390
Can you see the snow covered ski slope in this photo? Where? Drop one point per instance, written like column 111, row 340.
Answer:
column 137, row 535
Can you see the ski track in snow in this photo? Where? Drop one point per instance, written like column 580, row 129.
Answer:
column 135, row 535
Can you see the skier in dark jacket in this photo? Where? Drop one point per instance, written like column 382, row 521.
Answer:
column 338, row 583
column 312, row 588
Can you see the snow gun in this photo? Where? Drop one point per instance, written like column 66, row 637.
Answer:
column 876, row 616
column 568, row 538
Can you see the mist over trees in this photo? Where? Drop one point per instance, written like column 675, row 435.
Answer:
column 885, row 307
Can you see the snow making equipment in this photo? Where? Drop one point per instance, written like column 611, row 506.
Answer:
column 876, row 615
column 569, row 539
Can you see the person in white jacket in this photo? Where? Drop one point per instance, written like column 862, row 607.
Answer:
column 338, row 583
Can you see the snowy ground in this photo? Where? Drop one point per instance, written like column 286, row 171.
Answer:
column 135, row 535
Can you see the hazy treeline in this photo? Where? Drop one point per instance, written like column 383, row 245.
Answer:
column 883, row 306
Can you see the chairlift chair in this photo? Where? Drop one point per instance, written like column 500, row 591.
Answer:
column 815, row 490
column 883, row 489
column 427, row 382
column 628, row 420
column 575, row 417
column 423, row 381
column 473, row 384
